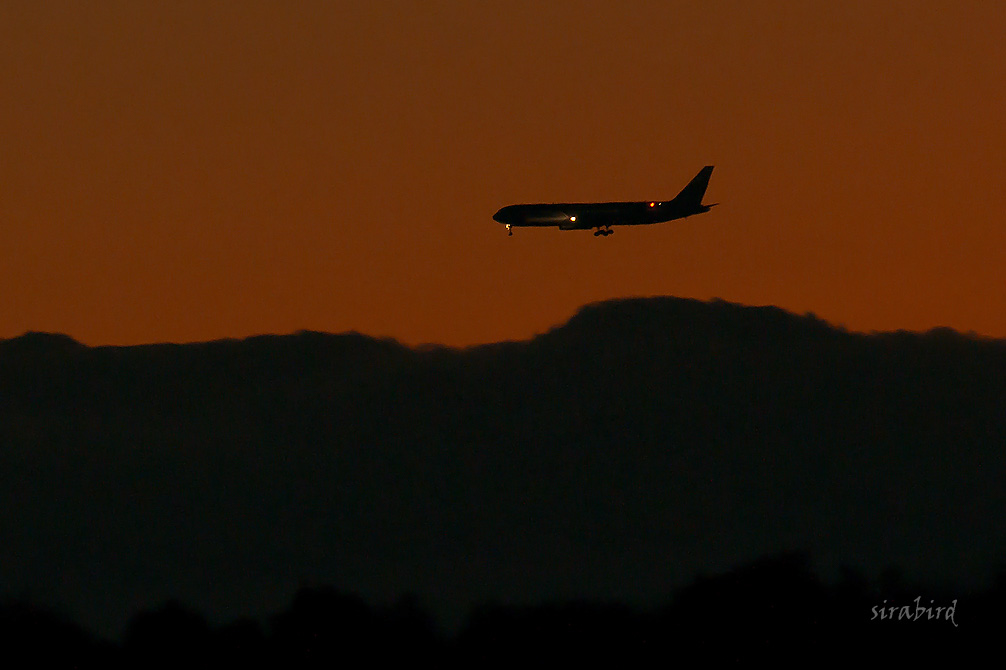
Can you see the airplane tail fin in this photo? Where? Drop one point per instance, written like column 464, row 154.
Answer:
column 691, row 195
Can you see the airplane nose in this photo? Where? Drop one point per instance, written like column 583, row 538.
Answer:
column 498, row 216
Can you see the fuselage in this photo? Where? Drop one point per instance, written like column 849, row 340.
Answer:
column 586, row 215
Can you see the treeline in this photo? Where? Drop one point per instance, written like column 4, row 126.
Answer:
column 774, row 610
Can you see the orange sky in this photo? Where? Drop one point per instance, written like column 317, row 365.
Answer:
column 181, row 171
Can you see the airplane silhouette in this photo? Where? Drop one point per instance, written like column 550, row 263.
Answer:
column 603, row 215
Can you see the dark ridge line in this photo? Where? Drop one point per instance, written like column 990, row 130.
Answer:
column 588, row 314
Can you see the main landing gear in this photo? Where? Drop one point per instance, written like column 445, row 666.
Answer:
column 603, row 231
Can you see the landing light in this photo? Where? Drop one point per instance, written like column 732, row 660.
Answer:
column 572, row 218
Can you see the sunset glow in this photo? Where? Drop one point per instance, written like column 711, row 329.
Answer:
column 184, row 171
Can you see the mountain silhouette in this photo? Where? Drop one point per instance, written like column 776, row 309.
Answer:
column 615, row 457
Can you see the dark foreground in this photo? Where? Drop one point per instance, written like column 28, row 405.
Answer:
column 610, row 460
column 773, row 610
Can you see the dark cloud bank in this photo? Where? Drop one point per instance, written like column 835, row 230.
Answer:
column 615, row 459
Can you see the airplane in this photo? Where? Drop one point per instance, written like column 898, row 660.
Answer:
column 603, row 215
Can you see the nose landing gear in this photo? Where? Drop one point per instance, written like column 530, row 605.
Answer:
column 508, row 231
